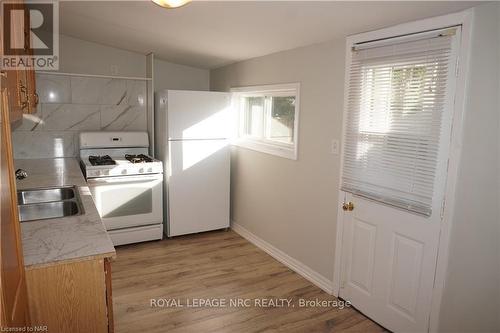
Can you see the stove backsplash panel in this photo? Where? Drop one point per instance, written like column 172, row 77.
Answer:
column 70, row 104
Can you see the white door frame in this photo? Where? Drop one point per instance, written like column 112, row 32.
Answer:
column 464, row 19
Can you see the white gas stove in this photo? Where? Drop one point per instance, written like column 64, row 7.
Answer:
column 123, row 165
column 126, row 184
column 109, row 154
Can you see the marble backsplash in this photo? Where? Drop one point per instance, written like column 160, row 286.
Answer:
column 71, row 104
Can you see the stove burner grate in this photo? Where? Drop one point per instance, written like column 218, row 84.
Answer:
column 141, row 158
column 101, row 160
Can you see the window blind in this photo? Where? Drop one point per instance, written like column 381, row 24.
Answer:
column 395, row 105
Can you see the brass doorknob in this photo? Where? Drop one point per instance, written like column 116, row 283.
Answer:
column 348, row 206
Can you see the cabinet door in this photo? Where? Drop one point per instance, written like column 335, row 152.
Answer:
column 21, row 82
column 69, row 297
column 16, row 94
column 17, row 90
column 29, row 74
column 14, row 303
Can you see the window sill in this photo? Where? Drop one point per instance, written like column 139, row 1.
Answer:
column 268, row 148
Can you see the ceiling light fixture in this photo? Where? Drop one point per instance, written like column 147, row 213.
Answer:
column 171, row 3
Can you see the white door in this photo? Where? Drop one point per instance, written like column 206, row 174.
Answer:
column 198, row 186
column 389, row 259
column 394, row 166
column 198, row 115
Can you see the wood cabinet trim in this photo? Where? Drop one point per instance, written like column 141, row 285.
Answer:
column 109, row 295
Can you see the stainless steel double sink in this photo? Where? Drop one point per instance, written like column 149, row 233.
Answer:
column 48, row 203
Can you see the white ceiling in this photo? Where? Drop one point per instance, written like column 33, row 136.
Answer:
column 209, row 34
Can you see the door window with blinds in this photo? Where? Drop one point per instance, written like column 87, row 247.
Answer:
column 397, row 95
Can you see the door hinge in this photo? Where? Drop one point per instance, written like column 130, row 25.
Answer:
column 342, row 284
column 457, row 68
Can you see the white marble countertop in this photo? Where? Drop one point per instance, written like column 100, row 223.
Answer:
column 74, row 238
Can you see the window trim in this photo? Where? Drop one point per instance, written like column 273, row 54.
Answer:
column 263, row 145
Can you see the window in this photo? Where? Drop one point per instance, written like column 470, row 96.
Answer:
column 268, row 118
column 397, row 94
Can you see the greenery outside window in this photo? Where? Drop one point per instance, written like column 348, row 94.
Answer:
column 268, row 118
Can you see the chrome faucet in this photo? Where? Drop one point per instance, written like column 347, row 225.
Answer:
column 21, row 174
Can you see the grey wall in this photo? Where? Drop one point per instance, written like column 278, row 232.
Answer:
column 84, row 57
column 471, row 302
column 293, row 204
column 173, row 76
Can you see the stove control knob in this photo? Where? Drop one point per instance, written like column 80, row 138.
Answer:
column 124, row 171
column 141, row 170
column 150, row 170
column 98, row 173
column 106, row 172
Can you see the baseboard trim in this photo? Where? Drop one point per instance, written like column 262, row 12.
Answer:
column 295, row 265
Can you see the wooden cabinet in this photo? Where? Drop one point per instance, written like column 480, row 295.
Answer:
column 17, row 97
column 13, row 303
column 16, row 88
column 29, row 84
column 72, row 297
column 21, row 82
column 33, row 99
column 28, row 87
column 23, row 98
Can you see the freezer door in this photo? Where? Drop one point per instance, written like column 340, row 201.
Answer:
column 199, row 115
column 198, row 186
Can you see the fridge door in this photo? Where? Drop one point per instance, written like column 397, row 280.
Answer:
column 198, row 115
column 198, row 186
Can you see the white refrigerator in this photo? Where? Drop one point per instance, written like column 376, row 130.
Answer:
column 192, row 130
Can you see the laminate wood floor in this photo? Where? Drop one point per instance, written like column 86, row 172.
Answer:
column 217, row 265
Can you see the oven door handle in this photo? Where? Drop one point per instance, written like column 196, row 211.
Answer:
column 124, row 179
